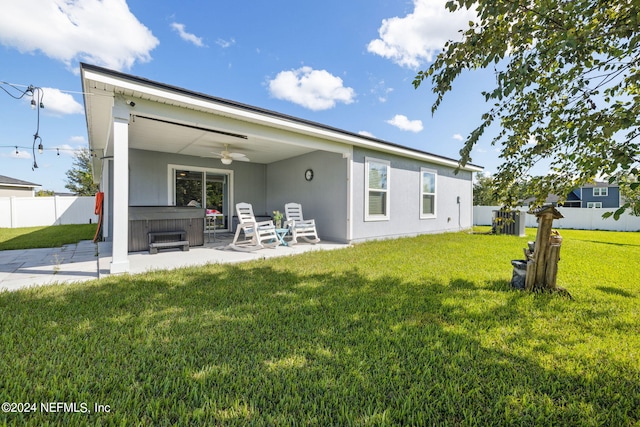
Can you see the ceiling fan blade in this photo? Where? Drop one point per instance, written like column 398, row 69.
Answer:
column 236, row 155
column 225, row 154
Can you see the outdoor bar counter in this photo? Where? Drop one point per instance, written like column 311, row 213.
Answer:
column 145, row 219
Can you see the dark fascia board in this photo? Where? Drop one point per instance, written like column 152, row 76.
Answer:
column 6, row 180
column 254, row 109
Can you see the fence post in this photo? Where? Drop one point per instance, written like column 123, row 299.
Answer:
column 12, row 211
column 55, row 210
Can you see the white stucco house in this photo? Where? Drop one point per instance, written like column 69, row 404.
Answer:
column 157, row 148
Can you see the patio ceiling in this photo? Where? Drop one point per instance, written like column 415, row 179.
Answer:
column 172, row 120
column 170, row 136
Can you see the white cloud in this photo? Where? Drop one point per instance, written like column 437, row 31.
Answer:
column 226, row 43
column 416, row 38
column 365, row 133
column 312, row 89
column 78, row 139
column 191, row 38
column 58, row 103
column 15, row 153
column 103, row 32
column 381, row 91
column 68, row 150
column 403, row 123
column 457, row 137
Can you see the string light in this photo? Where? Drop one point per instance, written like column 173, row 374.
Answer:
column 41, row 149
column 37, row 94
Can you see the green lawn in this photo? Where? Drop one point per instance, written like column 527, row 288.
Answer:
column 45, row 237
column 420, row 331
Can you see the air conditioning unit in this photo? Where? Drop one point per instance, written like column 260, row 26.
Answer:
column 509, row 222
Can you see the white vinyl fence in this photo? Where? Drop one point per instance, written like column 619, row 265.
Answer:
column 37, row 211
column 578, row 218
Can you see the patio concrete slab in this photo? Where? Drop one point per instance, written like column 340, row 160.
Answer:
column 87, row 261
column 36, row 267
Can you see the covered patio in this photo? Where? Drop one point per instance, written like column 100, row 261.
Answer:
column 156, row 146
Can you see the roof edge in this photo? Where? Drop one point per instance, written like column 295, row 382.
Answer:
column 274, row 114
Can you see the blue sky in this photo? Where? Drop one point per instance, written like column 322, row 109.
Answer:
column 347, row 64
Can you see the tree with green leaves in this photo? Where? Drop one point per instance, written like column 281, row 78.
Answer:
column 79, row 178
column 484, row 191
column 567, row 89
column 45, row 193
column 630, row 192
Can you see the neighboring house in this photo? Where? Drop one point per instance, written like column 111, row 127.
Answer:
column 11, row 187
column 158, row 148
column 596, row 195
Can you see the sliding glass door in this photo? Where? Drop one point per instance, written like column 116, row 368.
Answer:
column 188, row 186
column 204, row 188
column 217, row 195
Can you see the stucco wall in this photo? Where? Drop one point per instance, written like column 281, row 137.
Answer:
column 266, row 187
column 405, row 194
column 149, row 178
column 324, row 198
column 9, row 191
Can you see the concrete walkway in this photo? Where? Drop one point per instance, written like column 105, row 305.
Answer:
column 87, row 261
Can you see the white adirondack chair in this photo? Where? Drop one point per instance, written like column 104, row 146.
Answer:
column 257, row 235
column 298, row 226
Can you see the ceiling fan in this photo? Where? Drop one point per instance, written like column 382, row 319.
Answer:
column 227, row 157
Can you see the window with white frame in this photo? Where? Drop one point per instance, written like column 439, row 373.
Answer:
column 594, row 205
column 428, row 193
column 600, row 191
column 376, row 189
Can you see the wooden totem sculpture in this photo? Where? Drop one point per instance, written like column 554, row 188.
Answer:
column 542, row 259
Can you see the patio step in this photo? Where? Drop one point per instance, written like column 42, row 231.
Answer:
column 153, row 247
column 182, row 243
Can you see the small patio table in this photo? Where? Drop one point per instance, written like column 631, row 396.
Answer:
column 211, row 225
column 282, row 232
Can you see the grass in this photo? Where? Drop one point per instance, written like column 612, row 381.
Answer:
column 420, row 331
column 45, row 237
